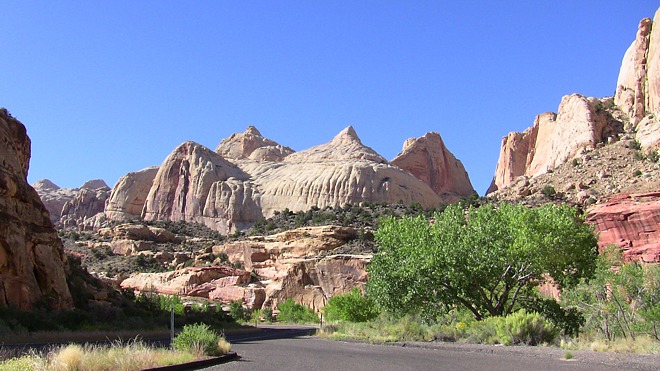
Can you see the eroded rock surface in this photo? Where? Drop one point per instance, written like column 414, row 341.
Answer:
column 32, row 261
column 296, row 264
column 631, row 222
column 428, row 159
column 246, row 179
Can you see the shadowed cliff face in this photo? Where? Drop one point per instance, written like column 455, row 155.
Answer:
column 249, row 177
column 31, row 254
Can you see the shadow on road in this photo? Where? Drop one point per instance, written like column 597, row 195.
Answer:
column 269, row 332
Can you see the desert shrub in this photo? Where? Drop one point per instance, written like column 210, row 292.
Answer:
column 653, row 156
column 237, row 311
column 524, row 328
column 268, row 314
column 291, row 311
column 619, row 303
column 198, row 338
column 352, row 307
column 635, row 145
column 637, row 173
column 568, row 320
column 549, row 191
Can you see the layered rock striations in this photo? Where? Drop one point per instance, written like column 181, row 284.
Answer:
column 32, row 261
column 631, row 222
column 428, row 159
column 249, row 177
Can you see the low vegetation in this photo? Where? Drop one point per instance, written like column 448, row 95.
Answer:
column 194, row 342
column 293, row 312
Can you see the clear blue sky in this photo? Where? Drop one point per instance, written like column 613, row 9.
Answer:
column 108, row 87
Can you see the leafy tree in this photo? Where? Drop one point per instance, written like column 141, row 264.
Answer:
column 485, row 259
column 351, row 307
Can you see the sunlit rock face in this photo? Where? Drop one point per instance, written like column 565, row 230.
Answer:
column 249, row 177
column 32, row 261
column 428, row 159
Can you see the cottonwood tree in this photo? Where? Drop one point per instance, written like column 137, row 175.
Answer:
column 485, row 259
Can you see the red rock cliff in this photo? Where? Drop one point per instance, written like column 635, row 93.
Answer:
column 31, row 255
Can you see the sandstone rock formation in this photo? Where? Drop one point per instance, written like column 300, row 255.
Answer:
column 54, row 197
column 31, row 255
column 638, row 85
column 128, row 196
column 195, row 184
column 195, row 281
column 428, row 159
column 296, row 264
column 251, row 144
column 85, row 206
column 249, row 177
column 631, row 222
column 580, row 123
column 587, row 122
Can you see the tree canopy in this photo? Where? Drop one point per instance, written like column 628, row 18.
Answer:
column 485, row 259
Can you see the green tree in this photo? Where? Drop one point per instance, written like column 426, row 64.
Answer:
column 485, row 259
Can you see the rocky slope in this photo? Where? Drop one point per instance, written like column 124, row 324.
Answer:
column 250, row 177
column 302, row 264
column 600, row 154
column 31, row 254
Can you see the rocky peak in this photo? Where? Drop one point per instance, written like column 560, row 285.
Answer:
column 344, row 146
column 45, row 185
column 429, row 160
column 346, row 136
column 95, row 184
column 252, row 145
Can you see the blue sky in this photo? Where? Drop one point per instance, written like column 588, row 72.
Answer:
column 109, row 87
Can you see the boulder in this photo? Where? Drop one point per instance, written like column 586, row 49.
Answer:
column 32, row 261
column 188, row 281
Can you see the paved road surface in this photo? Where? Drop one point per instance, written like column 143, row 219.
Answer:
column 312, row 353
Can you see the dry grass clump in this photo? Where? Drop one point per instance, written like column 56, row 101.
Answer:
column 640, row 345
column 133, row 356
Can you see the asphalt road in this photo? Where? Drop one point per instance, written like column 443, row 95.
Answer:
column 294, row 351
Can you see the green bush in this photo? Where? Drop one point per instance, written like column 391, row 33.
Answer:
column 290, row 311
column 268, row 314
column 525, row 328
column 197, row 338
column 237, row 311
column 549, row 191
column 352, row 307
